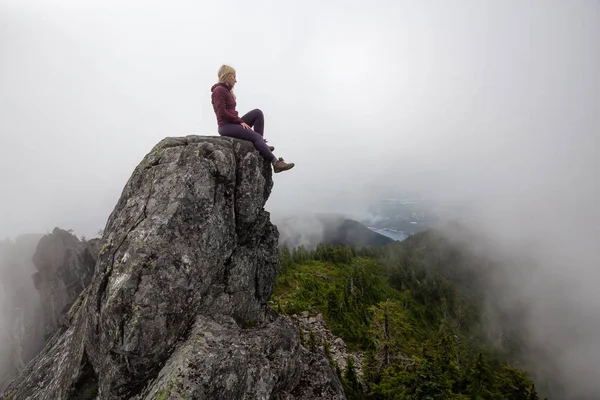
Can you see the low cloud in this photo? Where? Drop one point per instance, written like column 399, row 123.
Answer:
column 489, row 110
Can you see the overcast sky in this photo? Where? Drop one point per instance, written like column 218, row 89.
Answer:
column 494, row 105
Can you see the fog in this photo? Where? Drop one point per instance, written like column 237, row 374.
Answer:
column 490, row 108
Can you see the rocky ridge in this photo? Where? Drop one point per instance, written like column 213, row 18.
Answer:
column 326, row 342
column 21, row 326
column 41, row 276
column 177, row 305
column 65, row 267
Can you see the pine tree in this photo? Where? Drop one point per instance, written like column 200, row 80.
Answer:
column 352, row 386
column 533, row 394
column 285, row 259
column 350, row 374
column 480, row 380
column 515, row 384
column 371, row 369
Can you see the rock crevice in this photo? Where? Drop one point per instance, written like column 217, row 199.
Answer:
column 177, row 307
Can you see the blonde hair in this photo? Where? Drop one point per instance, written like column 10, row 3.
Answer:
column 225, row 75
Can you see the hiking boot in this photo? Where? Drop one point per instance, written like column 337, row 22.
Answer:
column 280, row 166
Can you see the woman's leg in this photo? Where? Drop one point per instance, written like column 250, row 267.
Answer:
column 238, row 132
column 256, row 120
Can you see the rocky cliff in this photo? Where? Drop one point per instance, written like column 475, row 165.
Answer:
column 21, row 331
column 34, row 304
column 177, row 306
column 65, row 267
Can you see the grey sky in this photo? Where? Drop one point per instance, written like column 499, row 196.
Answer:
column 445, row 98
column 490, row 104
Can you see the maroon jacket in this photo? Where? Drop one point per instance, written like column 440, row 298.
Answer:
column 224, row 105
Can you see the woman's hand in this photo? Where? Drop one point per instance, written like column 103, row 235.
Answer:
column 246, row 126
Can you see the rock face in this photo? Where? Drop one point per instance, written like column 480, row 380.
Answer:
column 326, row 342
column 177, row 307
column 21, row 332
column 65, row 267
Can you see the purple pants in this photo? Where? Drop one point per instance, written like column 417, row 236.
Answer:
column 256, row 120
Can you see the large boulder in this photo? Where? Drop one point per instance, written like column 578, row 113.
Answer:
column 177, row 307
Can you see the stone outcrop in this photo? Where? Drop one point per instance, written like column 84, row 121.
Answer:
column 65, row 267
column 21, row 330
column 326, row 342
column 34, row 304
column 177, row 306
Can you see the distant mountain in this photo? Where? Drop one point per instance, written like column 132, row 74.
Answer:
column 327, row 229
column 404, row 214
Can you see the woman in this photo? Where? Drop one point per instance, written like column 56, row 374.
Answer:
column 230, row 124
